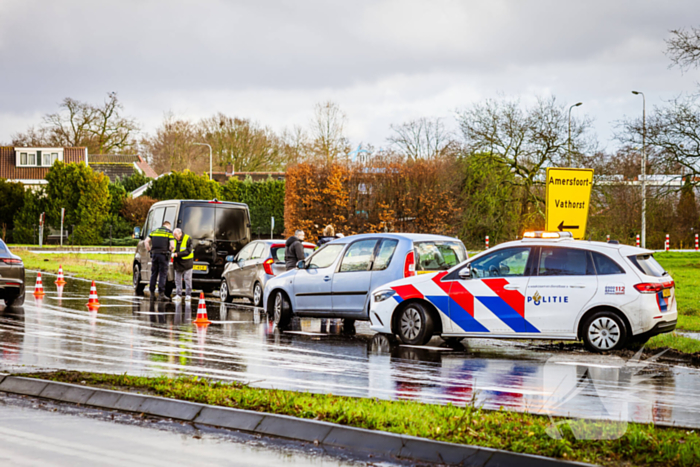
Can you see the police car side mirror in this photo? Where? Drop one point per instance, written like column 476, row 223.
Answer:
column 466, row 273
column 300, row 264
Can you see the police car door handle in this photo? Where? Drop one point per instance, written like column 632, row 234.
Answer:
column 578, row 286
column 327, row 278
column 511, row 287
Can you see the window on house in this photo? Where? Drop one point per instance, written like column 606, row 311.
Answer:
column 31, row 158
column 36, row 157
column 23, row 158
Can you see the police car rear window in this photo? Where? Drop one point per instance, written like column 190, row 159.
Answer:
column 648, row 265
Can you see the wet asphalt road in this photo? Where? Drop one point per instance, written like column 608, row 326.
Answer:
column 138, row 336
column 36, row 434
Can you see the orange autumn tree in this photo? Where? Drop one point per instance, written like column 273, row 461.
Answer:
column 386, row 194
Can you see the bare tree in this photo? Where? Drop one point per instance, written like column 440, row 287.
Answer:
column 102, row 129
column 683, row 48
column 672, row 137
column 526, row 140
column 171, row 148
column 242, row 143
column 327, row 128
column 422, row 138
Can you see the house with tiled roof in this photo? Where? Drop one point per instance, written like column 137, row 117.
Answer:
column 120, row 166
column 30, row 165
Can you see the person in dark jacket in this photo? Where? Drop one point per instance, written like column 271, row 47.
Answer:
column 328, row 235
column 183, row 262
column 160, row 243
column 294, row 250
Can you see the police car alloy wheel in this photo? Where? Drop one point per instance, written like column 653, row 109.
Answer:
column 415, row 325
column 604, row 331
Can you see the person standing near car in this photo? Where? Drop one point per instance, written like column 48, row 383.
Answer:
column 294, row 250
column 183, row 263
column 328, row 235
column 160, row 243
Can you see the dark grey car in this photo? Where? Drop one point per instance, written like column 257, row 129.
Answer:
column 246, row 273
column 11, row 277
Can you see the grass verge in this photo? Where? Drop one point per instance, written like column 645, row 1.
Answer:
column 685, row 270
column 101, row 267
column 517, row 432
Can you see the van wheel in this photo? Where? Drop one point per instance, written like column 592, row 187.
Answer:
column 281, row 310
column 138, row 286
column 604, row 331
column 257, row 295
column 224, row 296
column 415, row 325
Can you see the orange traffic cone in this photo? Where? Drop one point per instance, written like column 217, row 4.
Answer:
column 202, row 319
column 93, row 303
column 60, row 280
column 39, row 287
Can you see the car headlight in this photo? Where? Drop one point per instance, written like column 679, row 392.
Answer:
column 383, row 295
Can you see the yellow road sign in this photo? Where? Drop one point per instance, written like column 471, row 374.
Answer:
column 568, row 196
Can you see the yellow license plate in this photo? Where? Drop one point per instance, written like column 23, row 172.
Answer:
column 199, row 267
column 666, row 293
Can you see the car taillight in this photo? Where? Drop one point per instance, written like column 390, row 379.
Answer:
column 647, row 287
column 11, row 261
column 267, row 265
column 409, row 266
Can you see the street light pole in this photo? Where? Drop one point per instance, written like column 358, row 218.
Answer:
column 210, row 158
column 569, row 142
column 644, row 167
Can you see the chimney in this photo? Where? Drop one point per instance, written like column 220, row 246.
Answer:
column 229, row 170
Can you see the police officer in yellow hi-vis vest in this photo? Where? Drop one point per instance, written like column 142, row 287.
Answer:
column 160, row 243
column 183, row 263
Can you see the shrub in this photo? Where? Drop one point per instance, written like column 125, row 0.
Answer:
column 135, row 210
column 264, row 199
column 132, row 182
column 183, row 185
column 12, row 196
column 26, row 220
column 85, row 196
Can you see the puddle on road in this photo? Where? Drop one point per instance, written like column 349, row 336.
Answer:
column 139, row 336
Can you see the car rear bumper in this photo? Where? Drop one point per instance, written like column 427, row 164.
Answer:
column 660, row 328
column 11, row 287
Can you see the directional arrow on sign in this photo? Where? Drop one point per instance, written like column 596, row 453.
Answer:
column 567, row 227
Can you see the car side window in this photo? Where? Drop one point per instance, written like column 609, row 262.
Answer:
column 358, row 256
column 170, row 215
column 324, row 257
column 245, row 253
column 509, row 262
column 604, row 265
column 258, row 251
column 565, row 262
column 385, row 254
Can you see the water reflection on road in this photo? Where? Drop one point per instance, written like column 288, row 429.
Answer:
column 138, row 336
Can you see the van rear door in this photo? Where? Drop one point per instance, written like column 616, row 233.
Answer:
column 197, row 219
column 232, row 233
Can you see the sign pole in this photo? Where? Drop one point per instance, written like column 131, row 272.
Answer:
column 63, row 212
column 272, row 228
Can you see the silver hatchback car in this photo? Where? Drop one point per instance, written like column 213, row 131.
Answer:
column 246, row 274
column 336, row 281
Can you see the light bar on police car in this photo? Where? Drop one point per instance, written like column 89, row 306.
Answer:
column 547, row 235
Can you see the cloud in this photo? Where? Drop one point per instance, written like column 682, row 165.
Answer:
column 382, row 61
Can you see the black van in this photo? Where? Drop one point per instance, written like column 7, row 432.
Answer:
column 218, row 229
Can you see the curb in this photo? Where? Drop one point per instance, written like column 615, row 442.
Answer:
column 377, row 443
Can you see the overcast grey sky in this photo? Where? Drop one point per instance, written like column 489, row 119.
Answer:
column 383, row 61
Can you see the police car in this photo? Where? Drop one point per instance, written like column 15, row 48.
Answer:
column 545, row 286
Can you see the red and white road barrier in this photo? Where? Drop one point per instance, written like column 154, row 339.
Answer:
column 60, row 280
column 667, row 244
column 607, row 238
column 39, row 287
column 696, row 242
column 637, row 240
column 487, row 242
column 93, row 303
column 202, row 318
